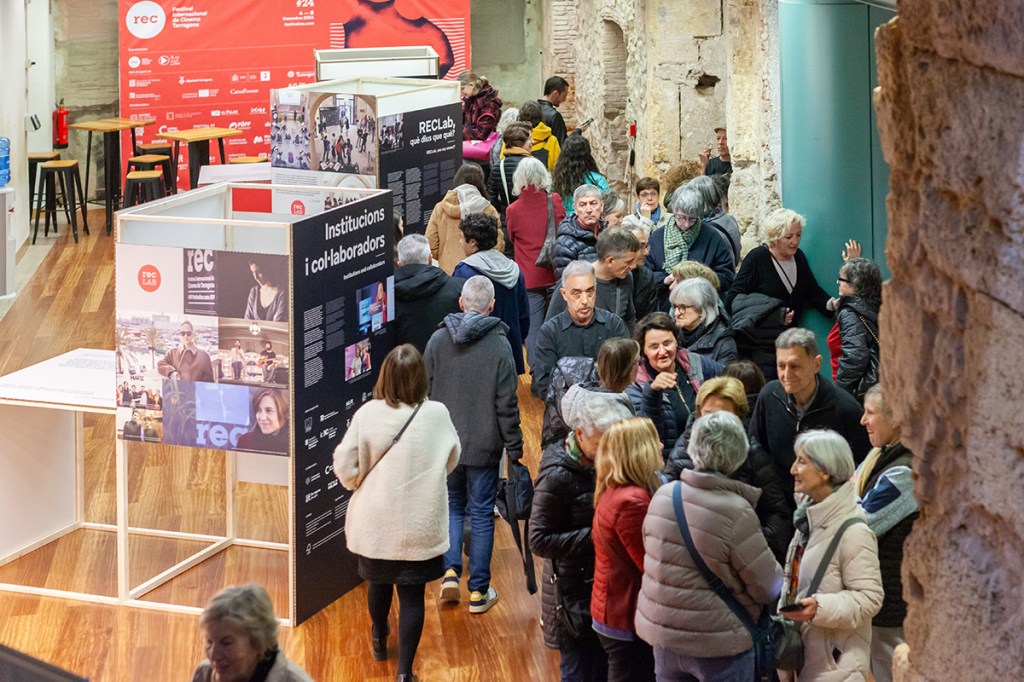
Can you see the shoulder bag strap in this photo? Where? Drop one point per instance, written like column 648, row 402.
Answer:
column 716, row 584
column 779, row 268
column 868, row 327
column 829, row 553
column 395, row 439
column 504, row 181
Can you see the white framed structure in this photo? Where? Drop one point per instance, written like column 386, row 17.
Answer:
column 388, row 62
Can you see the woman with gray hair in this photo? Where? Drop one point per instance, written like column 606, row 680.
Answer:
column 835, row 609
column 853, row 341
column 701, row 328
column 560, row 531
column 685, row 238
column 713, row 190
column 693, row 631
column 240, row 633
column 772, row 288
column 528, row 218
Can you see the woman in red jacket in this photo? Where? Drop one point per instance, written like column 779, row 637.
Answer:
column 627, row 459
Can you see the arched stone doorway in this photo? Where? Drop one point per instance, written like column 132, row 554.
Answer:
column 610, row 142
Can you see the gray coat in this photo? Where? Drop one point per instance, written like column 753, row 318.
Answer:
column 471, row 370
column 677, row 610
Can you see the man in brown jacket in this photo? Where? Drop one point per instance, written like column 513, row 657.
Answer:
column 186, row 362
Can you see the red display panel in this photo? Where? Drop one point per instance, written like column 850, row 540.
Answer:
column 208, row 63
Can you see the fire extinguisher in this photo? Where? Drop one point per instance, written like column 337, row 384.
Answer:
column 60, row 126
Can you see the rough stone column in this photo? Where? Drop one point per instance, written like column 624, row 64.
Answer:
column 950, row 105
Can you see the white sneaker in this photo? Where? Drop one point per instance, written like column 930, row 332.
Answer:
column 479, row 603
column 450, row 586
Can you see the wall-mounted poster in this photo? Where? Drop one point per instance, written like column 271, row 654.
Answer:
column 209, row 64
column 211, row 368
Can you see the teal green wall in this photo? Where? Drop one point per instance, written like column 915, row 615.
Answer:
column 832, row 166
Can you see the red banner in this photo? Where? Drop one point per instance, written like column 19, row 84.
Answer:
column 209, row 63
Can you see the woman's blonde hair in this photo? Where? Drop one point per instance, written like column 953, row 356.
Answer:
column 688, row 269
column 629, row 454
column 728, row 388
column 777, row 224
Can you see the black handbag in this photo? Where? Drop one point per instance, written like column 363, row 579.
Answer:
column 572, row 614
column 514, row 502
column 546, row 257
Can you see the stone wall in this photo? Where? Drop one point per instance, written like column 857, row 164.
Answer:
column 682, row 68
column 951, row 75
column 506, row 45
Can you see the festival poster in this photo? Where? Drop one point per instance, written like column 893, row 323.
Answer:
column 206, row 63
column 343, row 283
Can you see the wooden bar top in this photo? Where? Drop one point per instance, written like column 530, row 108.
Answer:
column 110, row 125
column 198, row 134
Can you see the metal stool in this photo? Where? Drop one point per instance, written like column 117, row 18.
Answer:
column 66, row 173
column 152, row 162
column 164, row 149
column 248, row 159
column 146, row 185
column 34, row 159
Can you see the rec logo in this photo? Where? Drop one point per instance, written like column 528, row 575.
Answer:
column 149, row 278
column 145, row 20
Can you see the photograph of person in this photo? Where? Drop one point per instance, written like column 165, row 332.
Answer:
column 270, row 423
column 150, row 433
column 357, row 359
column 132, row 429
column 187, row 362
column 268, row 363
column 268, row 299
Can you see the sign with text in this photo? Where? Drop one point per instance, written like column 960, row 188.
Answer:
column 206, row 63
column 343, row 287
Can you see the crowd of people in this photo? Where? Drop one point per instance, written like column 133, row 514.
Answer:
column 699, row 477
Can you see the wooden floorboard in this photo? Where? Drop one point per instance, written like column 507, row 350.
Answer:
column 70, row 304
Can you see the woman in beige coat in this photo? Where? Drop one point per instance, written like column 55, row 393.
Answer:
column 396, row 455
column 691, row 628
column 836, row 619
column 469, row 196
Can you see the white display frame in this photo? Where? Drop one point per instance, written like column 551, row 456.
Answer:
column 420, row 61
column 394, row 95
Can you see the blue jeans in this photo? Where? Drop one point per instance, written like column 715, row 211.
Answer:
column 475, row 488
column 539, row 299
column 672, row 667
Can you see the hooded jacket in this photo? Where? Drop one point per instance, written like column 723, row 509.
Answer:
column 470, row 367
column 856, row 343
column 677, row 609
column 511, row 305
column 546, row 147
column 837, row 642
column 424, row 294
column 443, row 231
column 480, row 113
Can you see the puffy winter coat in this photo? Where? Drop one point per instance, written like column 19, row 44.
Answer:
column 857, row 344
column 677, row 609
column 575, row 243
column 443, row 231
column 670, row 410
column 619, row 563
column 757, row 320
column 714, row 341
column 480, row 113
column 560, row 522
column 837, row 643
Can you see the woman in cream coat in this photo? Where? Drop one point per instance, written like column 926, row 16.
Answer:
column 836, row 619
column 397, row 521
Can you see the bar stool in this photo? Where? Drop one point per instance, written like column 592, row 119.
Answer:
column 163, row 148
column 147, row 185
column 66, row 174
column 152, row 162
column 34, row 159
column 248, row 159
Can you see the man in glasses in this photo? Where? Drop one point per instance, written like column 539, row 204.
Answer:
column 186, row 362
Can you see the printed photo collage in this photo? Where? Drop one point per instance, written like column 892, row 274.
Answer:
column 372, row 304
column 203, row 349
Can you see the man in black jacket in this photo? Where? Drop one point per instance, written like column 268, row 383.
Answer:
column 471, row 370
column 800, row 400
column 424, row 293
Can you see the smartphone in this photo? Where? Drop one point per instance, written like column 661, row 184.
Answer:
column 587, row 122
column 791, row 607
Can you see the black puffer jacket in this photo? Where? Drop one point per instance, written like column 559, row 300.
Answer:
column 714, row 341
column 568, row 371
column 757, row 320
column 560, row 521
column 574, row 243
column 758, row 470
column 857, row 342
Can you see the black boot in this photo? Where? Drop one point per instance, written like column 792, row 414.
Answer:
column 408, row 677
column 380, row 645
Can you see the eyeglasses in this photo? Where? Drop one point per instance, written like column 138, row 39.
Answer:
column 843, row 279
column 680, row 309
column 648, row 194
column 184, row 333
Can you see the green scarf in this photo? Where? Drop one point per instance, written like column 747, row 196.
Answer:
column 678, row 243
